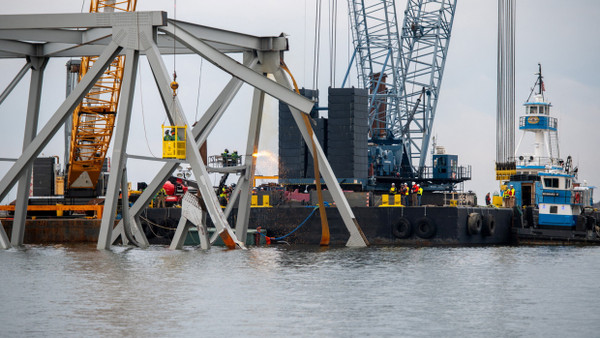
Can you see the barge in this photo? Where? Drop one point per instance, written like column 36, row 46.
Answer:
column 395, row 226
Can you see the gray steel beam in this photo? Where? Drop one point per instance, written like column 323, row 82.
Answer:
column 132, row 229
column 119, row 150
column 17, row 48
column 180, row 234
column 58, row 119
column 31, row 124
column 234, row 68
column 124, row 204
column 55, row 34
column 230, row 170
column 200, row 133
column 234, row 40
column 81, row 20
column 149, row 158
column 175, row 112
column 14, row 82
column 4, row 242
column 357, row 238
column 46, row 35
column 241, row 227
column 209, row 120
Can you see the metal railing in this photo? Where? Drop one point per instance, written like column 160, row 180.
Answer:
column 456, row 174
column 220, row 161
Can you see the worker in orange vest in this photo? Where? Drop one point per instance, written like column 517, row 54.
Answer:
column 414, row 191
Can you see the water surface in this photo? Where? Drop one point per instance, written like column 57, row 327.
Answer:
column 301, row 291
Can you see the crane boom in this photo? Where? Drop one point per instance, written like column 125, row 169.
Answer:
column 398, row 66
column 94, row 118
column 425, row 36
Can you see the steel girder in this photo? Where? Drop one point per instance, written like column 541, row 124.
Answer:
column 138, row 33
column 53, row 35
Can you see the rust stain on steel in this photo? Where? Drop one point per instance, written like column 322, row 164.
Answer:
column 51, row 231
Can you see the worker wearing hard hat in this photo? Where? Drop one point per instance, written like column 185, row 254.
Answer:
column 419, row 193
column 168, row 136
column 404, row 192
column 225, row 156
column 235, row 158
column 161, row 198
column 505, row 198
column 393, row 189
column 511, row 196
column 414, row 192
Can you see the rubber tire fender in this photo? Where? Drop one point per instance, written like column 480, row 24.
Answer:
column 425, row 227
column 474, row 223
column 488, row 226
column 402, row 229
column 590, row 222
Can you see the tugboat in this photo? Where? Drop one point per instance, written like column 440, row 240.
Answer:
column 551, row 206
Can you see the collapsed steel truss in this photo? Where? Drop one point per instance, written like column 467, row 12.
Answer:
column 151, row 34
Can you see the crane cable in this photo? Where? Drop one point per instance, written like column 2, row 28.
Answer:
column 143, row 115
column 316, row 50
column 199, row 86
column 332, row 41
column 174, row 84
column 325, row 236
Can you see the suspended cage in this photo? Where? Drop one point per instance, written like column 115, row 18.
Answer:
column 174, row 140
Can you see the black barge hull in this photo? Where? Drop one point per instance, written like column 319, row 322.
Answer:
column 421, row 226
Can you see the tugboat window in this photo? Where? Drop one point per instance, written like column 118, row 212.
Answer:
column 533, row 110
column 551, row 182
column 553, row 209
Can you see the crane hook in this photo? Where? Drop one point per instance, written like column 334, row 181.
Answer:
column 174, row 84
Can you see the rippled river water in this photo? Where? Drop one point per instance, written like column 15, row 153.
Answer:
column 301, row 291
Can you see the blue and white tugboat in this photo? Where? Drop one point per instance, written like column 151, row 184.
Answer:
column 550, row 205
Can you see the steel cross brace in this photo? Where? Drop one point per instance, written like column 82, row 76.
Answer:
column 31, row 124
column 119, row 151
column 57, row 120
column 200, row 133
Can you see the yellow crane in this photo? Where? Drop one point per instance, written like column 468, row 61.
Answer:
column 94, row 118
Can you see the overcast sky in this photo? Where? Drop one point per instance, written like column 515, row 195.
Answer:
column 562, row 35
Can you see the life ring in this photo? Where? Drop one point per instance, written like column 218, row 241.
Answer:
column 402, row 229
column 425, row 228
column 488, row 226
column 474, row 223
